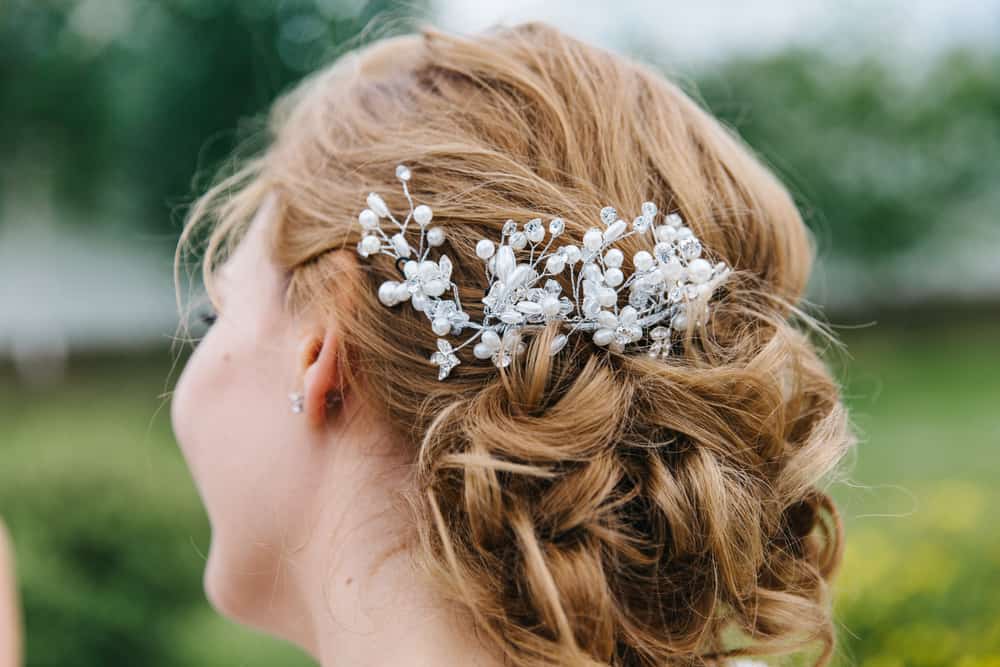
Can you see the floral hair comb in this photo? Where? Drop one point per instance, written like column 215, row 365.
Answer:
column 668, row 285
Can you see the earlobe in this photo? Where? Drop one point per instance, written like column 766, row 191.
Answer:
column 322, row 375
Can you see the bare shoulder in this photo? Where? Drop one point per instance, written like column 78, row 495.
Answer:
column 10, row 624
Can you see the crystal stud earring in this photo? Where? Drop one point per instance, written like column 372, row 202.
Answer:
column 298, row 402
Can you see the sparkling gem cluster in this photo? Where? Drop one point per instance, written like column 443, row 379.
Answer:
column 666, row 287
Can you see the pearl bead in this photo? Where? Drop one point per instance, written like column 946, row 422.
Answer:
column 511, row 316
column 614, row 257
column 614, row 276
column 550, row 306
column 403, row 172
column 529, row 307
column 423, row 214
column 369, row 244
column 485, row 249
column 400, row 245
column 435, row 236
column 555, row 264
column 428, row 270
column 607, row 296
column 674, row 220
column 491, row 338
column 558, row 343
column 402, row 293
column 441, row 326
column 699, row 270
column 387, row 292
column 642, row 260
column 592, row 272
column 603, row 336
column 377, row 204
column 368, row 219
column 672, row 269
column 572, row 254
column 435, row 287
column 593, row 239
column 665, row 233
column 607, row 319
column 482, row 351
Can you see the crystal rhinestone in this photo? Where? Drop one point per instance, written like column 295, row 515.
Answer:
column 552, row 286
column 648, row 209
column 403, row 172
column 502, row 358
column 534, row 230
column 659, row 333
column 608, row 215
column 691, row 291
column 676, row 293
column 623, row 335
column 663, row 251
column 642, row 223
column 509, row 228
column 556, row 226
column 444, row 358
column 638, row 298
column 518, row 240
column 690, row 248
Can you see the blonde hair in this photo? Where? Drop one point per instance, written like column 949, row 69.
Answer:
column 589, row 507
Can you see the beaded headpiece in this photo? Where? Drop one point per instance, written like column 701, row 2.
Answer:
column 667, row 287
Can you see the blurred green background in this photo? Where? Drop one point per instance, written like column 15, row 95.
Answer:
column 114, row 112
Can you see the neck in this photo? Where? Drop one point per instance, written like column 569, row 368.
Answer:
column 352, row 594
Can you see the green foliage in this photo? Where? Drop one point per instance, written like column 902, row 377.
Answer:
column 878, row 157
column 122, row 102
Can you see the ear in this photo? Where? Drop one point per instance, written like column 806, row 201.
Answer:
column 322, row 376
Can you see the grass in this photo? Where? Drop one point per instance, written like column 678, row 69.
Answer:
column 110, row 534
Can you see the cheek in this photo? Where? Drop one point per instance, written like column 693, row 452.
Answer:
column 230, row 422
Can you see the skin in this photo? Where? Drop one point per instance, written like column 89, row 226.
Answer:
column 306, row 543
column 10, row 622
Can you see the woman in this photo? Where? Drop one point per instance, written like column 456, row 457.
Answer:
column 420, row 439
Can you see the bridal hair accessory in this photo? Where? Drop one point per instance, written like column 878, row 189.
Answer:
column 667, row 287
